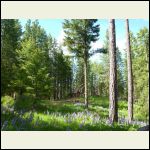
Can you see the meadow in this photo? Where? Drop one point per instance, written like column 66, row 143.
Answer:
column 29, row 114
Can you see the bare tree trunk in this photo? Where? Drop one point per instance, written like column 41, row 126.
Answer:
column 92, row 86
column 130, row 75
column 113, row 104
column 147, row 59
column 85, row 82
column 14, row 95
column 55, row 89
column 61, row 89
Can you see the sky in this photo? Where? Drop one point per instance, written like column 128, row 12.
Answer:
column 54, row 27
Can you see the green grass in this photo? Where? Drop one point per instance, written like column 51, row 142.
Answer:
column 46, row 115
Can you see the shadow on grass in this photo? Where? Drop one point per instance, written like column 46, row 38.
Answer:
column 97, row 104
column 27, row 124
column 41, row 106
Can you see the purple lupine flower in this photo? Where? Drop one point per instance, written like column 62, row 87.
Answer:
column 80, row 125
column 68, row 129
column 37, row 121
column 95, row 119
column 30, row 118
column 21, row 112
column 23, row 122
column 17, row 128
column 73, row 115
column 69, row 120
column 47, row 112
column 13, row 122
column 121, row 120
column 109, row 122
column 4, row 125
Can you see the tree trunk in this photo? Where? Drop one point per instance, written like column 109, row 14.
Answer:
column 113, row 104
column 85, row 82
column 14, row 95
column 20, row 91
column 70, row 90
column 130, row 76
column 55, row 89
column 92, row 86
column 147, row 59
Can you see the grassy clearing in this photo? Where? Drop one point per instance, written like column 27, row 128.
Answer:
column 65, row 115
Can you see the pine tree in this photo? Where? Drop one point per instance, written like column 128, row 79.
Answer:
column 10, row 42
column 79, row 35
column 113, row 107
column 34, row 60
column 140, row 57
column 130, row 75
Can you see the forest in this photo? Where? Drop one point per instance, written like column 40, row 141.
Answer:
column 43, row 89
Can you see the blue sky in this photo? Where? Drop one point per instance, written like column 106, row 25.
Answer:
column 54, row 27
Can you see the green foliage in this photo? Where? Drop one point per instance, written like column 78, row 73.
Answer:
column 141, row 109
column 99, row 72
column 10, row 42
column 140, row 57
column 24, row 102
column 64, row 115
column 33, row 59
column 7, row 101
column 42, row 65
column 34, row 67
column 79, row 35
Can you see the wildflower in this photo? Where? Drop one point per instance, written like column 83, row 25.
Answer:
column 36, row 123
column 11, row 109
column 23, row 122
column 17, row 128
column 4, row 125
column 47, row 112
column 109, row 122
column 121, row 120
column 68, row 129
column 21, row 112
column 13, row 122
column 80, row 125
column 69, row 120
column 30, row 118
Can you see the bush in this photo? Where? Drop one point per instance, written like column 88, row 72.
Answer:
column 7, row 101
column 24, row 102
column 141, row 111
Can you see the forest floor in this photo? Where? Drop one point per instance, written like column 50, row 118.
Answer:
column 67, row 115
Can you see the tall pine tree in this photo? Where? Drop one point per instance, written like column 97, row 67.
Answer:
column 79, row 35
column 113, row 107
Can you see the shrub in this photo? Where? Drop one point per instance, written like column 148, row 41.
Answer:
column 24, row 102
column 141, row 111
column 7, row 101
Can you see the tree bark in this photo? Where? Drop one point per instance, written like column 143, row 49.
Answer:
column 147, row 59
column 85, row 82
column 20, row 91
column 113, row 104
column 70, row 86
column 130, row 75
